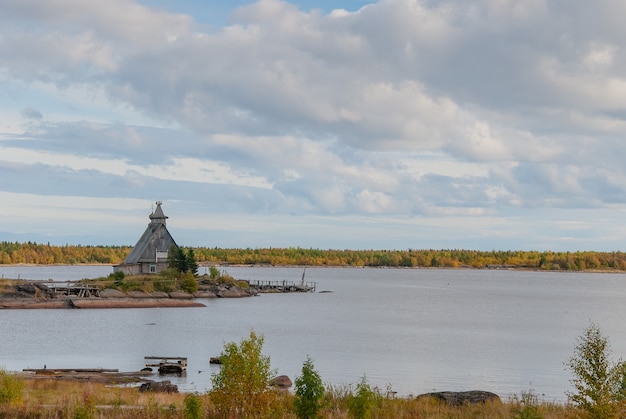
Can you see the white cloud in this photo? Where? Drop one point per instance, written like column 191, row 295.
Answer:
column 475, row 112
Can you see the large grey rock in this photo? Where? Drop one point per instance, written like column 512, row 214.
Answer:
column 111, row 293
column 159, row 387
column 138, row 294
column 181, row 295
column 458, row 398
column 232, row 292
column 204, row 294
column 282, row 382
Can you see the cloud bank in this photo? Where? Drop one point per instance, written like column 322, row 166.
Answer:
column 490, row 124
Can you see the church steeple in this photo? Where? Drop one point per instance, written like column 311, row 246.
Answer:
column 158, row 217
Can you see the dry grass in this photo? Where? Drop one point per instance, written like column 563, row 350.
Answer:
column 52, row 398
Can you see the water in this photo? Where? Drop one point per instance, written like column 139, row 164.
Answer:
column 416, row 330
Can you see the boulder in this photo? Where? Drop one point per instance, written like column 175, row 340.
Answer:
column 233, row 292
column 28, row 288
column 111, row 293
column 181, row 295
column 282, row 381
column 458, row 398
column 204, row 294
column 44, row 289
column 159, row 387
column 138, row 294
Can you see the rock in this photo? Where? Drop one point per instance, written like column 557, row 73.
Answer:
column 282, row 381
column 138, row 294
column 233, row 292
column 111, row 293
column 181, row 295
column 458, row 398
column 204, row 294
column 159, row 387
column 28, row 288
column 47, row 292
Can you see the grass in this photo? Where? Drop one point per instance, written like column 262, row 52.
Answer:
column 49, row 398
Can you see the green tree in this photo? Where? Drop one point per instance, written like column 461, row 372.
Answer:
column 309, row 391
column 241, row 388
column 597, row 381
column 192, row 263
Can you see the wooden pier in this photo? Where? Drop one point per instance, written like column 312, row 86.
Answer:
column 282, row 286
column 72, row 288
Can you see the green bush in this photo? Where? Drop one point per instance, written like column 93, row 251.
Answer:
column 193, row 408
column 598, row 383
column 241, row 387
column 362, row 401
column 189, row 283
column 11, row 387
column 309, row 391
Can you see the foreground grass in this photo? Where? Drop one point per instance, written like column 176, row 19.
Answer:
column 67, row 399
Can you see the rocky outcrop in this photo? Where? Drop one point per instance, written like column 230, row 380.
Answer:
column 112, row 293
column 38, row 295
column 181, row 295
column 131, row 303
column 458, row 398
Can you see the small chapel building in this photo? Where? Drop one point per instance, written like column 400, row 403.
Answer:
column 149, row 256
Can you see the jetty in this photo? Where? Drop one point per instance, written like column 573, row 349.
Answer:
column 167, row 364
column 282, row 286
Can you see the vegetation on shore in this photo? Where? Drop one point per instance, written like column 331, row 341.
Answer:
column 45, row 254
column 242, row 389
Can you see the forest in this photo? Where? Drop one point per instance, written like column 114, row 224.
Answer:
column 46, row 254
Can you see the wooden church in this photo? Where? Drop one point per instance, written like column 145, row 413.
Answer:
column 149, row 256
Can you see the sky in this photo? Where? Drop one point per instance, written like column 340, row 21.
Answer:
column 398, row 124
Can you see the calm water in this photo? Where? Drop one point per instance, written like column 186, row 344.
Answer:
column 416, row 330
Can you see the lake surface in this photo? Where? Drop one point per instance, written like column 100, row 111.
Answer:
column 417, row 330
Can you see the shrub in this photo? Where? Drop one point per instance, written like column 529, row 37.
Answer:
column 241, row 388
column 528, row 406
column 189, row 283
column 309, row 391
column 597, row 382
column 11, row 387
column 363, row 400
column 193, row 408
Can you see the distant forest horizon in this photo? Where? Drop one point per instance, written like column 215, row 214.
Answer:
column 46, row 254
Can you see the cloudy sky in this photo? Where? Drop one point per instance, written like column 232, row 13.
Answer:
column 484, row 124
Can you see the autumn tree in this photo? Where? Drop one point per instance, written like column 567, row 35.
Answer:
column 599, row 384
column 241, row 387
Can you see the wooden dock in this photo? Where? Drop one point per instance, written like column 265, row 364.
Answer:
column 72, row 288
column 282, row 286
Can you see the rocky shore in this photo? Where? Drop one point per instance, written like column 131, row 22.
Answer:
column 37, row 295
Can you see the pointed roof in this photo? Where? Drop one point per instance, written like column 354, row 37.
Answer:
column 154, row 239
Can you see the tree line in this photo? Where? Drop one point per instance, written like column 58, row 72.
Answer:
column 46, row 254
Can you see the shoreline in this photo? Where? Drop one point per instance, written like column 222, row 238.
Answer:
column 263, row 266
